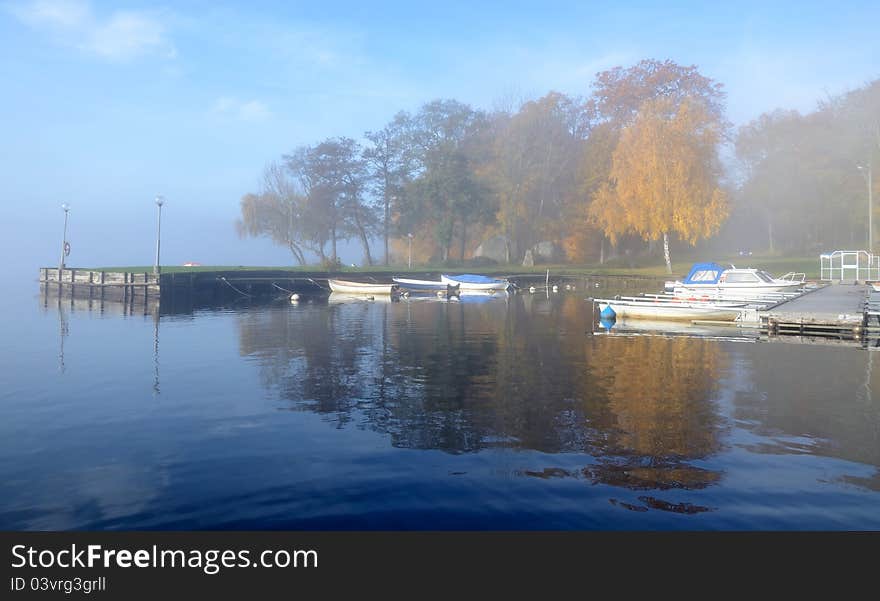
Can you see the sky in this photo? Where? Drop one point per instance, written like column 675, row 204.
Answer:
column 106, row 104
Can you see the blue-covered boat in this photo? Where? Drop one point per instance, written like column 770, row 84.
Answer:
column 712, row 278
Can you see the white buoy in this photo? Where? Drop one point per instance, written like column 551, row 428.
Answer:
column 294, row 298
column 555, row 288
column 531, row 288
column 568, row 286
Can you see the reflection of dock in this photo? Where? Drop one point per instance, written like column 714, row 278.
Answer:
column 835, row 309
column 79, row 299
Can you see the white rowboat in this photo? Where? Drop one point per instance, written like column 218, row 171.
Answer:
column 361, row 287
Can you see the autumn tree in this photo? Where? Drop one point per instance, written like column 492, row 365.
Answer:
column 619, row 93
column 533, row 169
column 664, row 176
column 616, row 100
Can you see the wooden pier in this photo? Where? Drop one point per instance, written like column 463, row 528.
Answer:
column 104, row 285
column 209, row 285
column 832, row 310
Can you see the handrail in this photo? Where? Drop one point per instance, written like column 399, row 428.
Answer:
column 849, row 265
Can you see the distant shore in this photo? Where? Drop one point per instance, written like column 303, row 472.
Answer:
column 637, row 266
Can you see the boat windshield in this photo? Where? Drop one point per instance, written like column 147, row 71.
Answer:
column 765, row 276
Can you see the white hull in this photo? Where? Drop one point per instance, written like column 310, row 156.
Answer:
column 736, row 289
column 670, row 311
column 360, row 287
column 417, row 285
column 497, row 285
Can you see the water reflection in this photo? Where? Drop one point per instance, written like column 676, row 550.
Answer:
column 514, row 372
column 507, row 411
column 809, row 401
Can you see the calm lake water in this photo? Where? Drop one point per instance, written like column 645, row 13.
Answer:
column 502, row 413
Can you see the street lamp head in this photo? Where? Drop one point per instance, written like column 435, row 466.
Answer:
column 160, row 200
column 409, row 235
column 66, row 207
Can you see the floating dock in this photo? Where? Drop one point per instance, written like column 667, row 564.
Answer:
column 831, row 310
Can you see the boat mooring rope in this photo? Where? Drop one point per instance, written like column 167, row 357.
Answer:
column 234, row 288
column 319, row 285
column 283, row 289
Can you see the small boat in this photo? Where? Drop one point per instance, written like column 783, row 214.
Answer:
column 717, row 279
column 663, row 310
column 410, row 284
column 361, row 287
column 425, row 285
column 469, row 281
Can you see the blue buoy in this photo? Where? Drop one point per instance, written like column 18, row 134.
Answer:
column 608, row 313
column 607, row 324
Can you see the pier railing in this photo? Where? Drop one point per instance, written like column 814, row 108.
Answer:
column 849, row 265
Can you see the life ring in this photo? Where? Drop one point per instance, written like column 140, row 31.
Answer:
column 67, row 249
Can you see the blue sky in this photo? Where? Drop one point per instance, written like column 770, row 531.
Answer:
column 106, row 104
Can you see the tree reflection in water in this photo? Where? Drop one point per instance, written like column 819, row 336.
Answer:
column 519, row 372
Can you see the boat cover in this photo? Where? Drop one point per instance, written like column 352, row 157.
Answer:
column 470, row 278
column 704, row 273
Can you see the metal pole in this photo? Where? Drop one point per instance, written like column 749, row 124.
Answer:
column 410, row 250
column 63, row 241
column 870, row 212
column 159, row 202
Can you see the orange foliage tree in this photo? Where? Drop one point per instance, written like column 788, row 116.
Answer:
column 664, row 176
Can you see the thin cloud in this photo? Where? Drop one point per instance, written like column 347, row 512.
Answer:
column 118, row 37
column 245, row 110
column 61, row 14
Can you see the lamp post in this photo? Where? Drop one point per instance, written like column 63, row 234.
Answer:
column 160, row 200
column 66, row 208
column 866, row 171
column 410, row 249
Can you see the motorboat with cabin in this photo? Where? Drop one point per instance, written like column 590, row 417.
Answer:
column 713, row 280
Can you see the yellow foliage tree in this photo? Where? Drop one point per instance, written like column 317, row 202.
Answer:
column 664, row 176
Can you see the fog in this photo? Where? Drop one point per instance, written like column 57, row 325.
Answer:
column 192, row 102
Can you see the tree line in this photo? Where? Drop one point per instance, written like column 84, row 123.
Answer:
column 633, row 166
